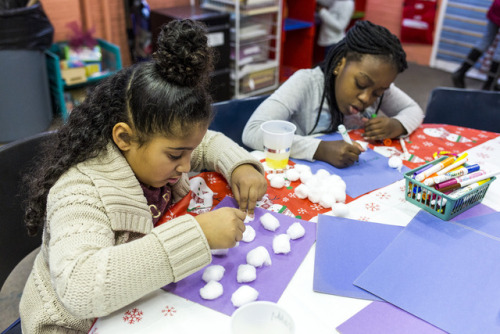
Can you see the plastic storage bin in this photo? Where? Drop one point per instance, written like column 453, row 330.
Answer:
column 111, row 62
column 438, row 203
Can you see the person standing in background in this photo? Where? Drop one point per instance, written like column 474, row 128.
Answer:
column 492, row 27
column 335, row 16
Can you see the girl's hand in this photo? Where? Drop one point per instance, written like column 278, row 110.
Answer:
column 338, row 153
column 248, row 186
column 222, row 227
column 380, row 128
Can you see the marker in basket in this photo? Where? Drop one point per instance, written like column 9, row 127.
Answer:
column 434, row 169
column 430, row 181
column 426, row 167
column 345, row 135
column 455, row 182
column 471, row 181
column 459, row 162
column 465, row 190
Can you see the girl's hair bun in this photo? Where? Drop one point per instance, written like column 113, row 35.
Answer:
column 184, row 57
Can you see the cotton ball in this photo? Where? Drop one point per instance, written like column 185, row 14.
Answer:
column 246, row 273
column 314, row 196
column 219, row 252
column 327, row 200
column 243, row 295
column 322, row 174
column 295, row 231
column 213, row 273
column 302, row 191
column 340, row 210
column 341, row 184
column 339, row 194
column 281, row 244
column 278, row 181
column 270, row 222
column 270, row 176
column 211, row 290
column 305, row 176
column 259, row 256
column 302, row 168
column 292, row 174
column 395, row 162
column 249, row 234
column 249, row 218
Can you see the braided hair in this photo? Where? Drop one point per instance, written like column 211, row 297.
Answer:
column 163, row 96
column 364, row 38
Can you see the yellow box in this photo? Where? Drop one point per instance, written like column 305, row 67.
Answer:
column 73, row 76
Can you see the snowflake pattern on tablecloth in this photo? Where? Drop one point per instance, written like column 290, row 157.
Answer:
column 372, row 207
column 316, row 207
column 483, row 155
column 285, row 199
column 427, row 144
column 364, row 218
column 132, row 316
column 94, row 330
column 302, row 211
column 383, row 195
column 212, row 179
column 169, row 311
column 292, row 195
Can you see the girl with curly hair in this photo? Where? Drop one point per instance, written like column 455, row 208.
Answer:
column 118, row 163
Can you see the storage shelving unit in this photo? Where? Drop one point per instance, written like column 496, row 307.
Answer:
column 255, row 44
column 110, row 63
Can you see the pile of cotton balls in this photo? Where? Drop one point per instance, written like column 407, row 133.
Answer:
column 255, row 258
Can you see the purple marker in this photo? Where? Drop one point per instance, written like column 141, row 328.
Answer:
column 422, row 170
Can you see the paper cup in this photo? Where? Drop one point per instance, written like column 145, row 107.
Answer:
column 261, row 317
column 278, row 138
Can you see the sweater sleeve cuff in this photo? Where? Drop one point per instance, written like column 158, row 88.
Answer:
column 185, row 244
column 233, row 157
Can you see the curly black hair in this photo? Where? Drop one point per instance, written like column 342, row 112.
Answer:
column 166, row 95
column 364, row 38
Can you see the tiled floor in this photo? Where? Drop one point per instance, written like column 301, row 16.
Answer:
column 418, row 81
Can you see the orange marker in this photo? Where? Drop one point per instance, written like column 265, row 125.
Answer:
column 434, row 169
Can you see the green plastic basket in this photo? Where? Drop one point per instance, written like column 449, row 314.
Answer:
column 437, row 203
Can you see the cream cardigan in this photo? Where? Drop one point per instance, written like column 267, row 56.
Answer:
column 100, row 251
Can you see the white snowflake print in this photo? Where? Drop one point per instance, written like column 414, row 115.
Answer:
column 212, row 179
column 449, row 144
column 482, row 135
column 316, row 207
column 427, row 143
column 383, row 195
column 364, row 218
column 372, row 206
column 292, row 195
column 285, row 199
column 132, row 316
column 421, row 136
column 415, row 148
column 301, row 211
column 169, row 311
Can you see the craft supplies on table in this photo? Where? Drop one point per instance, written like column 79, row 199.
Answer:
column 444, row 206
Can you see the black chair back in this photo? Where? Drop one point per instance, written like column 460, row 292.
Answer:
column 231, row 116
column 477, row 109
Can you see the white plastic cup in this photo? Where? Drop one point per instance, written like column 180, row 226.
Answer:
column 262, row 317
column 278, row 138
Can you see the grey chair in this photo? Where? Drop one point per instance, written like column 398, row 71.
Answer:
column 477, row 109
column 231, row 116
column 16, row 158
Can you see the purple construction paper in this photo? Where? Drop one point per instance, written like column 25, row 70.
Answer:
column 476, row 210
column 384, row 318
column 370, row 173
column 344, row 248
column 271, row 280
column 444, row 272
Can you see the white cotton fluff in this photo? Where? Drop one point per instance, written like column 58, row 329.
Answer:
column 340, row 210
column 278, row 181
column 314, row 195
column 269, row 222
column 302, row 168
column 246, row 273
column 258, row 257
column 249, row 234
column 322, row 174
column 244, row 295
column 306, row 176
column 212, row 290
column 295, row 231
column 213, row 273
column 219, row 252
column 249, row 218
column 327, row 200
column 281, row 244
column 340, row 195
column 302, row 191
column 292, row 174
column 395, row 162
column 270, row 176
